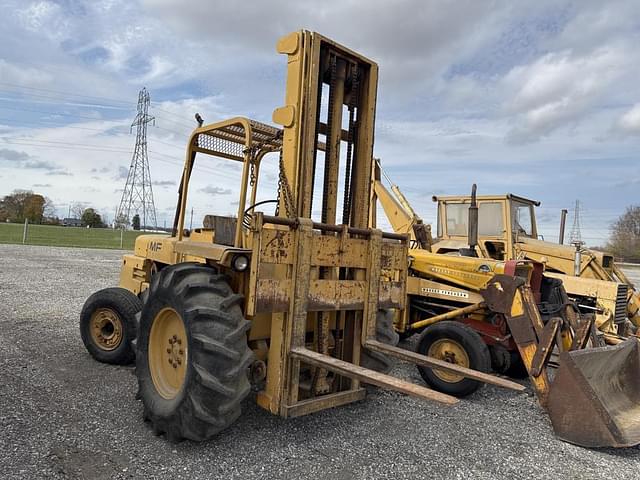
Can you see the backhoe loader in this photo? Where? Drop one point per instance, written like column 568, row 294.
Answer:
column 466, row 314
column 507, row 230
column 283, row 301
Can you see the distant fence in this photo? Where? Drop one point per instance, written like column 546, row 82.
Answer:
column 68, row 236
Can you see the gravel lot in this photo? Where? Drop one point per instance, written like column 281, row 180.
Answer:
column 63, row 415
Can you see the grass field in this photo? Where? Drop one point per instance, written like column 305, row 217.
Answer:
column 68, row 236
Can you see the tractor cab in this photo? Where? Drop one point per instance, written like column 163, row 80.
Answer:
column 503, row 220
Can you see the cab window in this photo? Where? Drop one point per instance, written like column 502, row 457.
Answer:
column 522, row 223
column 457, row 219
column 490, row 219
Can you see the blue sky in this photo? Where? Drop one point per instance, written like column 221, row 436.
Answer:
column 536, row 98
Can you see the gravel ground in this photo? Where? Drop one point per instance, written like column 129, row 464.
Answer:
column 62, row 415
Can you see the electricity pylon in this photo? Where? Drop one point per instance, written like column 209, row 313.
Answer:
column 137, row 197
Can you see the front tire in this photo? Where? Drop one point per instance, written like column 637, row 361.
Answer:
column 457, row 343
column 192, row 353
column 108, row 325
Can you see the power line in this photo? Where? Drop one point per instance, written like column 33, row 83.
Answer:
column 52, row 125
column 96, row 119
column 71, row 94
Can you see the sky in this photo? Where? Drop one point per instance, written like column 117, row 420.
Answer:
column 540, row 99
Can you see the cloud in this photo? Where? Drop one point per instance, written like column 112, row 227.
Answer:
column 629, row 123
column 39, row 165
column 61, row 173
column 42, row 185
column 22, row 160
column 163, row 183
column 100, row 170
column 233, row 166
column 211, row 190
column 122, row 173
column 13, row 155
column 557, row 89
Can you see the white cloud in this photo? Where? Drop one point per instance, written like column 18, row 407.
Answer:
column 559, row 88
column 630, row 121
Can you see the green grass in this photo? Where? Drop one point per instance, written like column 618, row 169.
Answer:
column 68, row 236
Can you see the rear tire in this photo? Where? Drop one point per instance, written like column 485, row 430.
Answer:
column 108, row 325
column 192, row 382
column 385, row 333
column 457, row 343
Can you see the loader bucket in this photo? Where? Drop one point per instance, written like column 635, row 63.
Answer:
column 594, row 400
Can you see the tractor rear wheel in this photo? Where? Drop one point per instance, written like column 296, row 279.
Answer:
column 457, row 343
column 385, row 333
column 108, row 325
column 192, row 353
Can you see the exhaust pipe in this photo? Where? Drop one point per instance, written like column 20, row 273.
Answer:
column 563, row 221
column 473, row 220
column 577, row 260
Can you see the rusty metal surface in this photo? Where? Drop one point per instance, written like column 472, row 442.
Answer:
column 545, row 346
column 276, row 246
column 594, row 400
column 335, row 251
column 499, row 292
column 272, row 295
column 393, row 256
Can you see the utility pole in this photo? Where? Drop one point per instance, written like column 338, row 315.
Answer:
column 137, row 196
column 191, row 222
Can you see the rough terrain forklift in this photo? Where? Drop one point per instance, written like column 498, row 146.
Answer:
column 282, row 301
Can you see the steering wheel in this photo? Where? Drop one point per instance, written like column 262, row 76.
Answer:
column 246, row 216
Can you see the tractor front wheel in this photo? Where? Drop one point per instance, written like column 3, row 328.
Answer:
column 192, row 353
column 108, row 325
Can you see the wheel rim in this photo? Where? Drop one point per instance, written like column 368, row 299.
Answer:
column 168, row 353
column 106, row 329
column 449, row 351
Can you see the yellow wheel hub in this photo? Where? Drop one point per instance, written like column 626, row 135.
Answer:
column 452, row 352
column 168, row 353
column 106, row 329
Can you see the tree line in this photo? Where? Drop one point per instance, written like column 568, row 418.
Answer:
column 26, row 205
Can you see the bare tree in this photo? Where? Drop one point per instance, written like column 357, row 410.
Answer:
column 77, row 209
column 625, row 235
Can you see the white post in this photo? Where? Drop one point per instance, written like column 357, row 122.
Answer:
column 24, row 231
column 121, row 235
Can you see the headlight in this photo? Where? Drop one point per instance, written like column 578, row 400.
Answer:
column 240, row 263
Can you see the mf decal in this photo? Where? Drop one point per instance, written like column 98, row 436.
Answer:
column 155, row 246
